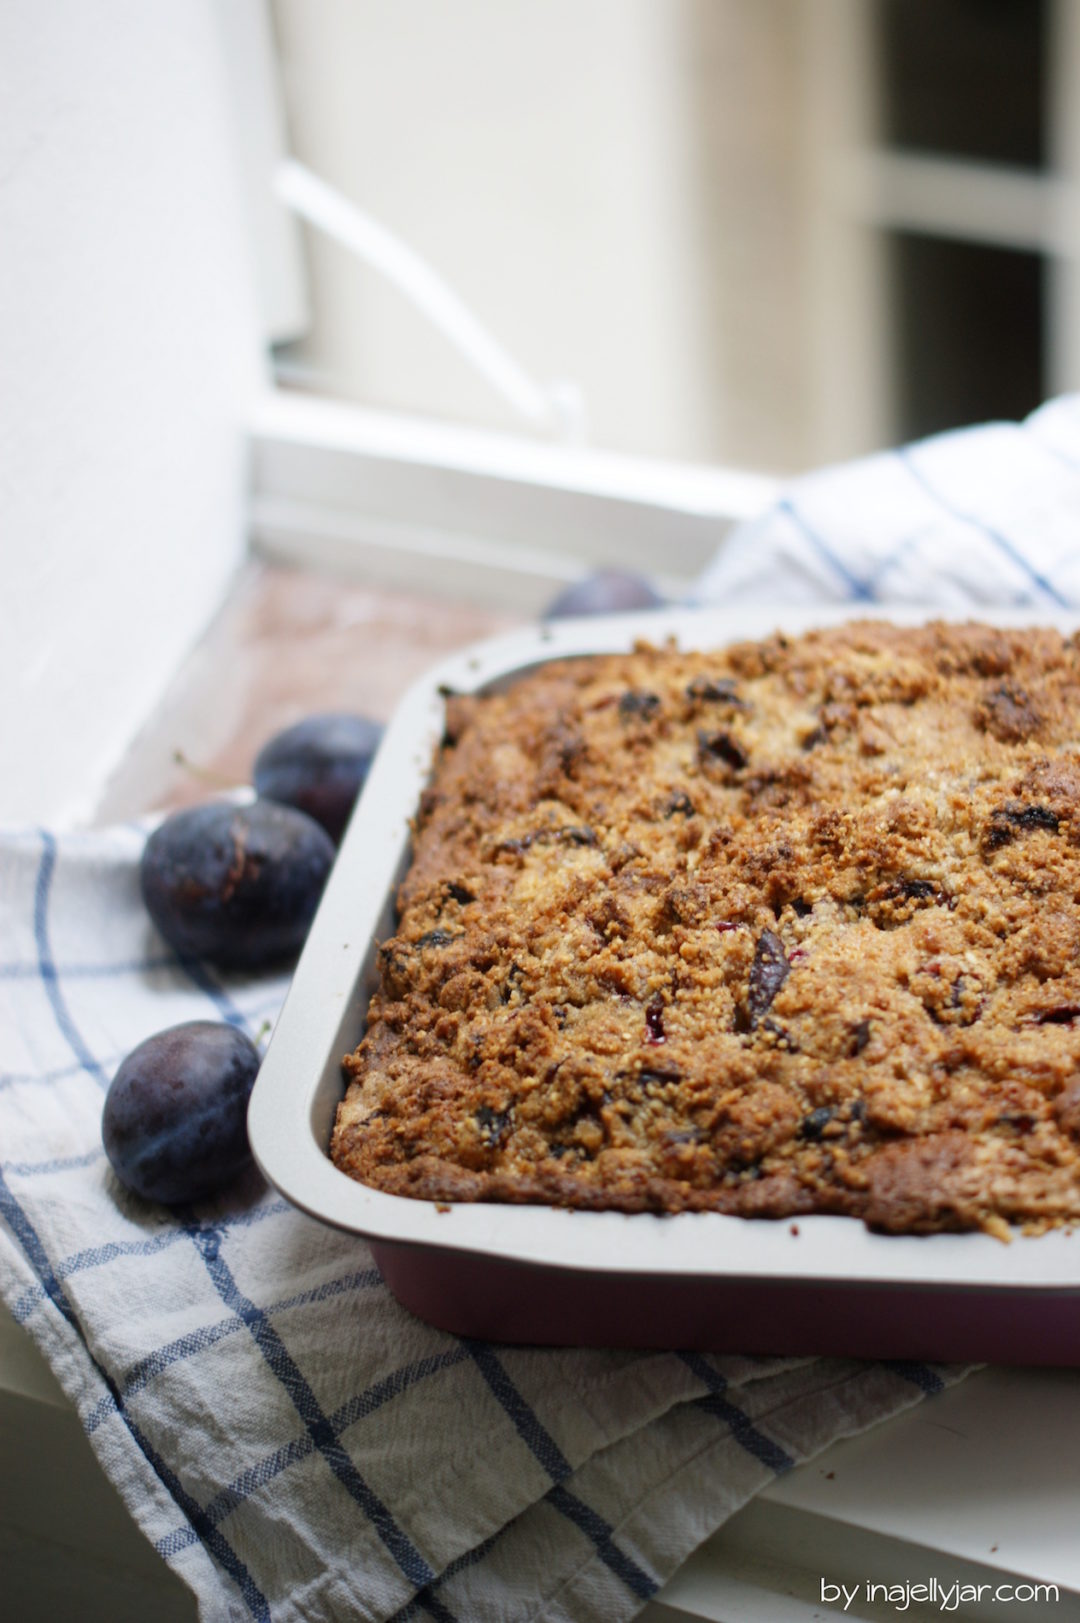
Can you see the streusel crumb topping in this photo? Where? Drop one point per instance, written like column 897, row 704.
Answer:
column 789, row 927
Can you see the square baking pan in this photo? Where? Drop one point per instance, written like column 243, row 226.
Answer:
column 548, row 1275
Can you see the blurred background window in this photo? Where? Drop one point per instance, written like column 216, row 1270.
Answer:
column 967, row 332
column 755, row 232
column 968, row 318
column 965, row 77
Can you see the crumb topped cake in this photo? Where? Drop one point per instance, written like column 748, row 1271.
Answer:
column 789, row 927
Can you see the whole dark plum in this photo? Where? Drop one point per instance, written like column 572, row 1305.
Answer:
column 175, row 1120
column 319, row 766
column 610, row 591
column 238, row 885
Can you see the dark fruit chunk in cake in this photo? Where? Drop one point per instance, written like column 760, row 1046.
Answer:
column 768, row 972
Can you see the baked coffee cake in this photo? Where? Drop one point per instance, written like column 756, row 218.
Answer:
column 789, row 927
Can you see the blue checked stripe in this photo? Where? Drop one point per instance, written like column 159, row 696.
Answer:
column 68, row 972
column 904, row 546
column 301, row 1448
column 208, row 1335
column 20, row 971
column 9, row 1079
column 525, row 1421
column 373, row 1397
column 544, row 1448
column 601, row 1533
column 96, row 1256
column 201, row 977
column 426, row 1600
column 357, row 1408
column 861, row 590
column 1057, row 455
column 215, row 1542
column 64, row 1163
column 433, row 1606
column 284, row 1367
column 742, row 1428
column 1002, row 542
column 61, row 1012
column 920, row 1375
column 575, row 1509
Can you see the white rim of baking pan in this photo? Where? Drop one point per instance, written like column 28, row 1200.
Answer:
column 300, row 1081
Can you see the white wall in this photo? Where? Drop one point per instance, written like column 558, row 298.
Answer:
column 129, row 352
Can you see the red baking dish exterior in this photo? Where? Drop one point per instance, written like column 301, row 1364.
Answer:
column 498, row 1301
column 535, row 1274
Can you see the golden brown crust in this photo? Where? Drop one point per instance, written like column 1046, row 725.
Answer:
column 790, row 927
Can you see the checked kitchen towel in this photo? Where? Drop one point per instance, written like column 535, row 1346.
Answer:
column 982, row 517
column 294, row 1444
